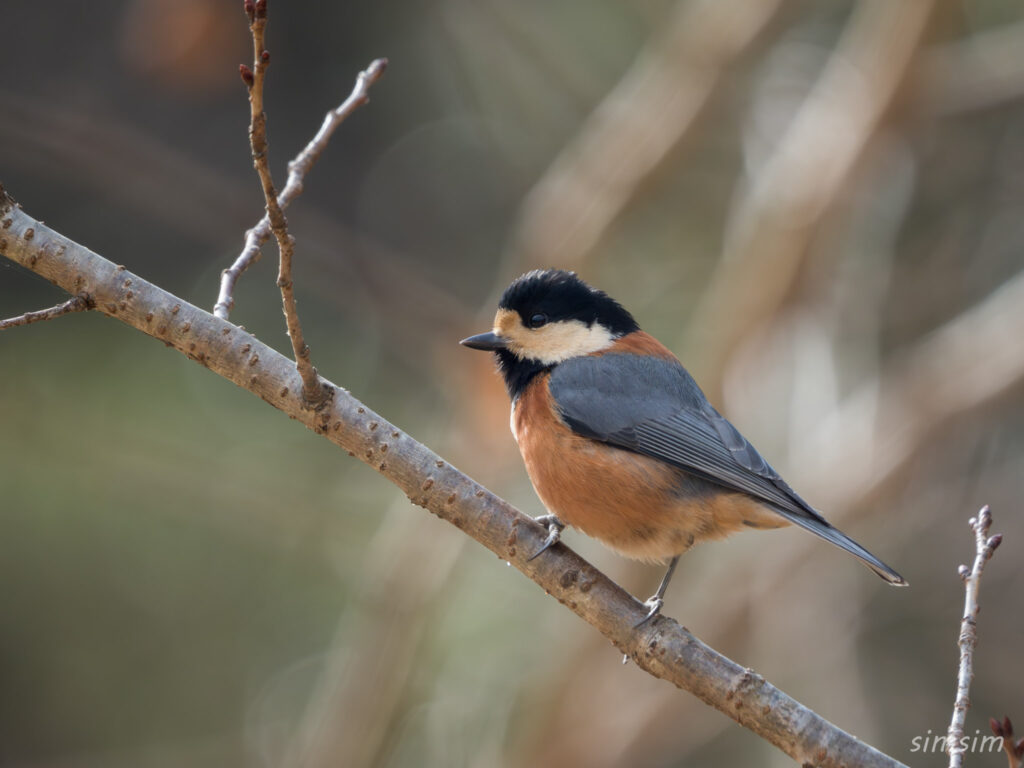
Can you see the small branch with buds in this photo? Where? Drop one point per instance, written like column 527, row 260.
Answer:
column 984, row 547
column 313, row 394
column 1014, row 749
column 76, row 304
column 297, row 170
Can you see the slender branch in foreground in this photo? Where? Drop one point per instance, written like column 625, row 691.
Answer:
column 312, row 392
column 297, row 170
column 662, row 647
column 76, row 304
column 984, row 546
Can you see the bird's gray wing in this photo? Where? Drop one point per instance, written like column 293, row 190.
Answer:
column 653, row 406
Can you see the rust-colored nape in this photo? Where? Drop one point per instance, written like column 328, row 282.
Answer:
column 638, row 343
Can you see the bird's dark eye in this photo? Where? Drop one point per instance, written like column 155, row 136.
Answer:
column 538, row 320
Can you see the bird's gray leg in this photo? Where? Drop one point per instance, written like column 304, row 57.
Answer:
column 657, row 600
column 554, row 526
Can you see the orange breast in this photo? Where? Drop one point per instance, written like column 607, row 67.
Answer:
column 642, row 507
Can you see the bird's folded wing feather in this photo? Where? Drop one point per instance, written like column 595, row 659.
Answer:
column 653, row 406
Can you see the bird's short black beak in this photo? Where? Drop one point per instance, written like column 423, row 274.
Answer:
column 489, row 342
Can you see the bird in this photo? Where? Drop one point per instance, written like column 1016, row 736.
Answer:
column 618, row 439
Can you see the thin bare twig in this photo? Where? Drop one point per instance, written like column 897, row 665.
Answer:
column 313, row 394
column 984, row 546
column 663, row 648
column 76, row 304
column 297, row 170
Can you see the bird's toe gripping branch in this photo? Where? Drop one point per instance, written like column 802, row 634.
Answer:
column 555, row 528
column 657, row 600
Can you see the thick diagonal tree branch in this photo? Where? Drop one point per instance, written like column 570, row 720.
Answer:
column 663, row 648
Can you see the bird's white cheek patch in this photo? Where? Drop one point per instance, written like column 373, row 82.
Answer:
column 570, row 338
column 552, row 343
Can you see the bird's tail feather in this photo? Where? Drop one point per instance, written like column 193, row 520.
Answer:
column 835, row 536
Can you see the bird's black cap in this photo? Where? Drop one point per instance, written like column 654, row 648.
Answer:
column 561, row 295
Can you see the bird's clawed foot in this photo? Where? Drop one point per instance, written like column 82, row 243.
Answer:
column 655, row 601
column 653, row 605
column 555, row 527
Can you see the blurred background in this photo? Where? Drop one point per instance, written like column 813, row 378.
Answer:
column 817, row 205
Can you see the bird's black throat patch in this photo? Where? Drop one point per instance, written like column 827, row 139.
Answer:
column 518, row 373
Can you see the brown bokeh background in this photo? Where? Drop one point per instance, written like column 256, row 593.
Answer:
column 817, row 205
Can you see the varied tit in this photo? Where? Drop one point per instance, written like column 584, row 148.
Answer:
column 618, row 439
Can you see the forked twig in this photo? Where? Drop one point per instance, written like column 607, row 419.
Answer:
column 312, row 393
column 297, row 170
column 984, row 546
